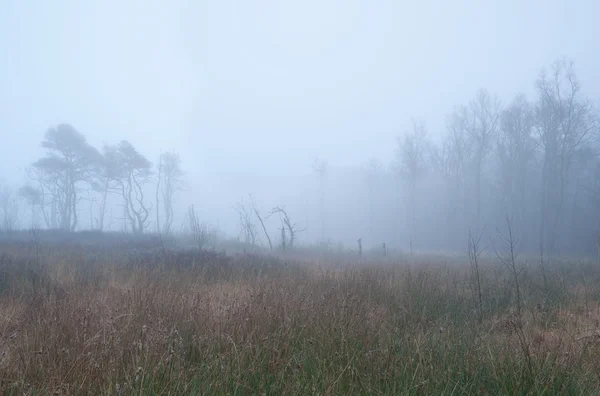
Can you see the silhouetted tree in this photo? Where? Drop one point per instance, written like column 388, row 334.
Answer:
column 169, row 181
column 34, row 199
column 564, row 122
column 412, row 163
column 286, row 224
column 516, row 148
column 9, row 208
column 109, row 170
column 134, row 171
column 65, row 170
column 480, row 120
column 451, row 161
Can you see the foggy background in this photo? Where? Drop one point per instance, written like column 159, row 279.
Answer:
column 250, row 93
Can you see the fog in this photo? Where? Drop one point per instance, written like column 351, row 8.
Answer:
column 251, row 93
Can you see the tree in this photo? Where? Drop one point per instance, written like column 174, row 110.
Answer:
column 106, row 178
column 247, row 225
column 64, row 171
column 262, row 223
column 515, row 149
column 35, row 199
column 412, row 163
column 480, row 121
column 564, row 122
column 169, row 181
column 133, row 172
column 9, row 208
column 286, row 223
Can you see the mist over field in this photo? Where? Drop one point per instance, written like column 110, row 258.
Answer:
column 414, row 107
column 299, row 197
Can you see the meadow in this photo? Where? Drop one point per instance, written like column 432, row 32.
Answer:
column 101, row 315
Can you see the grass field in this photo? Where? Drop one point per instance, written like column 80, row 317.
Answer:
column 80, row 320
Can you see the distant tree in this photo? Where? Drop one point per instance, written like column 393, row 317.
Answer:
column 169, row 181
column 247, row 226
column 412, row 164
column 565, row 120
column 133, row 174
column 9, row 208
column 516, row 147
column 262, row 223
column 451, row 161
column 480, row 120
column 286, row 224
column 108, row 172
column 35, row 199
column 64, row 172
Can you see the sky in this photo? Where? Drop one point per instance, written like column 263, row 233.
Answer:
column 250, row 92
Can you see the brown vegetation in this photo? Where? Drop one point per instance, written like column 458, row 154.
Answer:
column 171, row 322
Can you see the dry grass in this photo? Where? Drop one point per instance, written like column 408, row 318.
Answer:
column 79, row 322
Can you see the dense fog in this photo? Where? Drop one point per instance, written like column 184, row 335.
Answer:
column 414, row 124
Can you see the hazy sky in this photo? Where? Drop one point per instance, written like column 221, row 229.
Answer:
column 260, row 87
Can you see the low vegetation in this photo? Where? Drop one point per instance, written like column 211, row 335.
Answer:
column 79, row 319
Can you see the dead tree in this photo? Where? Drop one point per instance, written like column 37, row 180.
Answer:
column 292, row 228
column 247, row 226
column 168, row 183
column 262, row 223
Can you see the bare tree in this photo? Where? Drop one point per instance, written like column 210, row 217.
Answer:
column 68, row 165
column 515, row 148
column 134, row 172
column 169, row 182
column 9, row 207
column 565, row 120
column 262, row 223
column 480, row 120
column 451, row 161
column 412, row 163
column 34, row 199
column 287, row 223
column 247, row 226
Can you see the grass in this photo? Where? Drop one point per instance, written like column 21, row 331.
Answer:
column 79, row 320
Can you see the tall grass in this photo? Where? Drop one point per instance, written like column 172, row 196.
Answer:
column 80, row 320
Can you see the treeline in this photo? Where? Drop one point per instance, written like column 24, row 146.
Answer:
column 535, row 163
column 73, row 172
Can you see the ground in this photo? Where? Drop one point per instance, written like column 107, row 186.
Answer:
column 117, row 319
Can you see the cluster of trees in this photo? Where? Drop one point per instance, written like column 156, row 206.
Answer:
column 73, row 171
column 537, row 162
